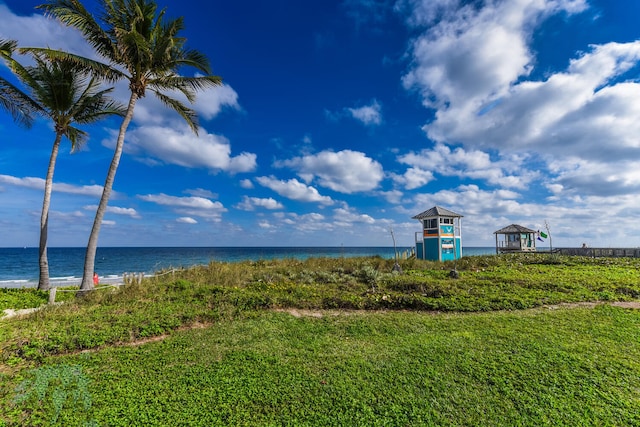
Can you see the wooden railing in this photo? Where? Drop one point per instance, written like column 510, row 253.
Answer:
column 600, row 252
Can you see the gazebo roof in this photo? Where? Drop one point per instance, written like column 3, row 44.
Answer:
column 514, row 228
column 437, row 211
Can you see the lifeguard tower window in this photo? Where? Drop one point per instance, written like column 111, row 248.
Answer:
column 431, row 223
column 446, row 220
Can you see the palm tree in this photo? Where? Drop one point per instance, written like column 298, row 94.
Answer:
column 66, row 96
column 133, row 36
column 12, row 99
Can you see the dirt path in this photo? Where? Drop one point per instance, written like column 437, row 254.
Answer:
column 298, row 312
column 9, row 312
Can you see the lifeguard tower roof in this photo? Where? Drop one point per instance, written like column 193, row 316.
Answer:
column 436, row 211
column 514, row 228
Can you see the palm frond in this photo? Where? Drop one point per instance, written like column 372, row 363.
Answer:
column 73, row 14
column 187, row 85
column 185, row 112
column 7, row 47
column 17, row 103
column 196, row 59
column 77, row 137
column 99, row 69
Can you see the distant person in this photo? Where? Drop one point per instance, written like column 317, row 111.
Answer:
column 584, row 245
column 96, row 279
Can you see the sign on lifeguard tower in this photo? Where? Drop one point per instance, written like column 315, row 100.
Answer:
column 441, row 238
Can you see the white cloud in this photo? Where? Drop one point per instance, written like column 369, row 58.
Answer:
column 201, row 192
column 150, row 111
column 246, row 183
column 414, row 178
column 67, row 217
column 36, row 31
column 27, row 182
column 307, row 223
column 180, row 146
column 211, row 101
column 250, row 203
column 473, row 164
column 474, row 52
column 573, row 176
column 472, row 65
column 188, row 206
column 294, row 190
column 343, row 171
column 574, row 111
column 186, row 220
column 116, row 210
column 368, row 114
column 35, row 183
column 264, row 224
column 392, row 196
column 188, row 202
column 345, row 217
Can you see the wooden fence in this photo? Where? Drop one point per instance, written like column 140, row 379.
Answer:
column 600, row 252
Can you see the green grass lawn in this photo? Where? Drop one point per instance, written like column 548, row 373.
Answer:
column 228, row 358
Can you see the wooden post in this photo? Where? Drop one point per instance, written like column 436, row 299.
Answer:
column 52, row 294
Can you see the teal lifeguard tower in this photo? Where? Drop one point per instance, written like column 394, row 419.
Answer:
column 440, row 238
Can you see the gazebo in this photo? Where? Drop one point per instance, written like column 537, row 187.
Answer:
column 440, row 238
column 515, row 238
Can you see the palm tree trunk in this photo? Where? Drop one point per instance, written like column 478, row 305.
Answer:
column 92, row 245
column 43, row 281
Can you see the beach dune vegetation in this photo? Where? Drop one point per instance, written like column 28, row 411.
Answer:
column 514, row 340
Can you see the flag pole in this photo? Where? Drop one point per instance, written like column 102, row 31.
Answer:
column 546, row 225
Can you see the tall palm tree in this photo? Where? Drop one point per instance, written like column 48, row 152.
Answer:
column 67, row 97
column 12, row 99
column 133, row 36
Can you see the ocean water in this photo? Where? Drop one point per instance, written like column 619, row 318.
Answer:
column 19, row 266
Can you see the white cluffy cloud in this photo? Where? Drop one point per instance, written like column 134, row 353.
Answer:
column 130, row 212
column 210, row 102
column 35, row 183
column 294, row 190
column 473, row 164
column 343, row 171
column 251, row 203
column 37, row 30
column 346, row 217
column 180, row 146
column 188, row 206
column 368, row 114
column 186, row 220
column 475, row 67
column 473, row 53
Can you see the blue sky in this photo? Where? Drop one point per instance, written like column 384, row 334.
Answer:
column 340, row 120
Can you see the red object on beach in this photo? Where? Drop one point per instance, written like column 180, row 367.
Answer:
column 96, row 280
